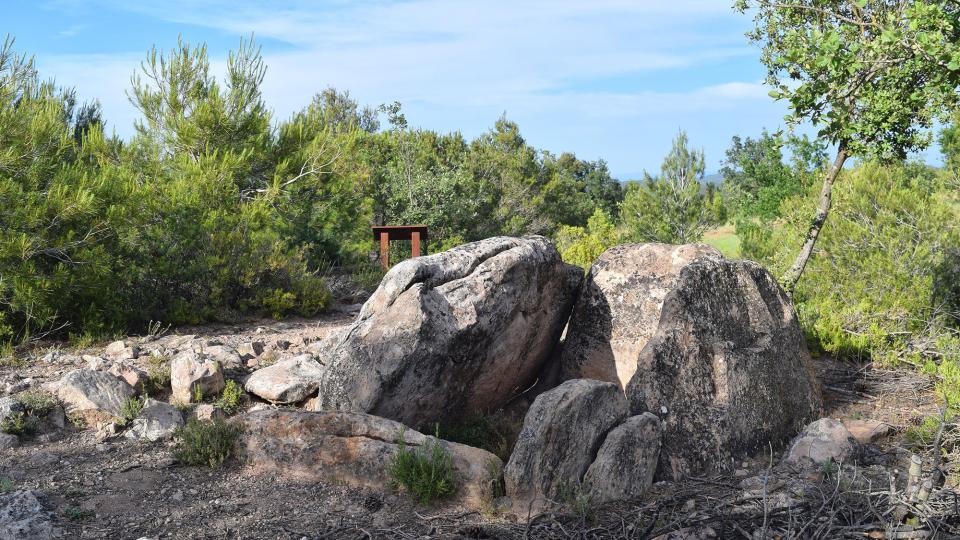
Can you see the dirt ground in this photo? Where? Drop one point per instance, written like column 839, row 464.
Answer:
column 119, row 488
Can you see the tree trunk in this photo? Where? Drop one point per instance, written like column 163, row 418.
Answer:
column 792, row 276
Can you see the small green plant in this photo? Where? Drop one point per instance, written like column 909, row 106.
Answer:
column 77, row 421
column 6, row 485
column 577, row 499
column 131, row 409
column 158, row 375
column 36, row 402
column 197, row 393
column 206, row 443
column 491, row 432
column 75, row 513
column 19, row 423
column 425, row 472
column 829, row 468
column 231, row 398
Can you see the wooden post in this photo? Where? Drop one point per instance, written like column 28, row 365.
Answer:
column 415, row 244
column 385, row 250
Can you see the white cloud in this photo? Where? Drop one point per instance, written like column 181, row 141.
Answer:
column 459, row 64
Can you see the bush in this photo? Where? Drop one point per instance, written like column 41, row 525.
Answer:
column 130, row 409
column 425, row 472
column 158, row 375
column 36, row 406
column 206, row 443
column 231, row 398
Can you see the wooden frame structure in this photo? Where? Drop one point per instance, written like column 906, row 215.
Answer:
column 416, row 234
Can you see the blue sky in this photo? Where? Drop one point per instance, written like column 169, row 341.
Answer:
column 612, row 79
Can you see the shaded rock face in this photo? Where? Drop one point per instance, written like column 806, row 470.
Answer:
column 561, row 434
column 288, row 381
column 455, row 332
column 22, row 517
column 618, row 309
column 94, row 395
column 727, row 370
column 821, row 442
column 352, row 448
column 626, row 462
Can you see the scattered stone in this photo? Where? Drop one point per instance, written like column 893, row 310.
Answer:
column 157, row 421
column 94, row 395
column 561, row 434
column 353, row 449
column 206, row 412
column 190, row 369
column 627, row 460
column 120, row 350
column 281, row 345
column 250, row 349
column 106, row 431
column 618, row 309
column 131, row 374
column 8, row 441
column 96, row 363
column 229, row 358
column 459, row 331
column 729, row 365
column 867, row 431
column 288, row 381
column 820, row 442
column 22, row 517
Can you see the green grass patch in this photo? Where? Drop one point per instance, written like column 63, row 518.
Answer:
column 425, row 472
column 725, row 239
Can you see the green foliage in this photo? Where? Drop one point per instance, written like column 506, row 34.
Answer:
column 19, row 423
column 756, row 179
column 582, row 246
column 950, row 143
column 36, row 406
column 75, row 513
column 491, row 432
column 231, row 398
column 6, row 485
column 876, row 286
column 36, row 402
column 425, row 472
column 130, row 409
column 206, row 443
column 870, row 73
column 673, row 208
column 158, row 375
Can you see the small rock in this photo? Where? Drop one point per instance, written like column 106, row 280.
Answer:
column 105, row 431
column 281, row 345
column 96, row 363
column 23, row 517
column 822, row 441
column 10, row 406
column 189, row 369
column 287, row 381
column 119, row 350
column 207, row 412
column 8, row 440
column 157, row 421
column 867, row 431
column 228, row 358
column 250, row 349
column 132, row 375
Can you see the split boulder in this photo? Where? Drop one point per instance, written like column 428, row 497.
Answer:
column 191, row 370
column 562, row 432
column 448, row 334
column 627, row 461
column 94, row 395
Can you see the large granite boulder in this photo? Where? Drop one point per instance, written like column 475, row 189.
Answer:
column 447, row 334
column 354, row 449
column 727, row 369
column 23, row 517
column 618, row 309
column 562, row 433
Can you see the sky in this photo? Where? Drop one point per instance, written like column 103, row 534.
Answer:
column 610, row 79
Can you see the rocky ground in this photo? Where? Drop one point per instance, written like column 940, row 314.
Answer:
column 99, row 486
column 682, row 403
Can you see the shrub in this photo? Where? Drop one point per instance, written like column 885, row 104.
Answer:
column 231, row 398
column 36, row 405
column 6, row 484
column 491, row 432
column 425, row 472
column 206, row 443
column 36, row 402
column 130, row 409
column 158, row 375
column 19, row 423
